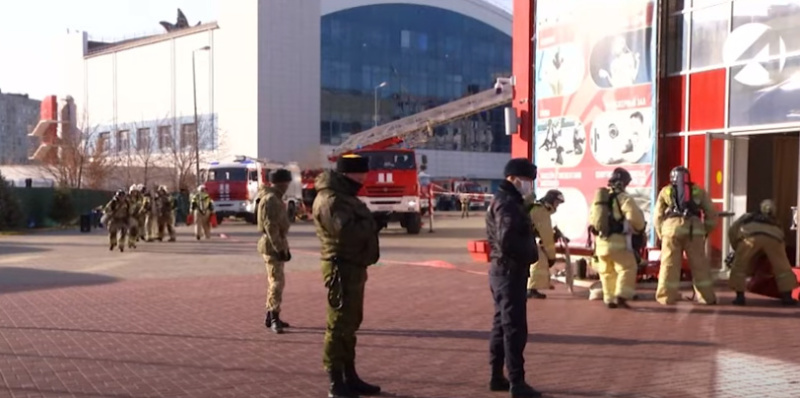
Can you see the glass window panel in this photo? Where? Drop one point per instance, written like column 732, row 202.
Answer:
column 709, row 32
column 405, row 39
column 677, row 43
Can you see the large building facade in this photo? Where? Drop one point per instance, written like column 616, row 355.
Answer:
column 289, row 80
column 713, row 85
column 18, row 114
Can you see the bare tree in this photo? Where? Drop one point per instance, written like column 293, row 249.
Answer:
column 82, row 158
column 181, row 154
column 143, row 152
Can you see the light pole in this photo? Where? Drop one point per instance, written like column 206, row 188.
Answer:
column 196, row 126
column 375, row 113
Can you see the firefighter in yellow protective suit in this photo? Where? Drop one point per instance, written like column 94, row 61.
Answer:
column 684, row 217
column 540, row 212
column 202, row 206
column 614, row 253
column 754, row 234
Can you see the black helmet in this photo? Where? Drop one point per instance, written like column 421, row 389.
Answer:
column 553, row 197
column 120, row 192
column 620, row 177
column 520, row 167
column 679, row 171
column 280, row 176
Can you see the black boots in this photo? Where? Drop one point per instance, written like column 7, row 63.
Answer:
column 786, row 299
column 524, row 391
column 533, row 293
column 623, row 303
column 498, row 382
column 739, row 300
column 338, row 388
column 274, row 322
column 356, row 385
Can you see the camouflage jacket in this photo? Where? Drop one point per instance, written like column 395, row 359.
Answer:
column 137, row 206
column 117, row 209
column 273, row 222
column 344, row 224
column 166, row 205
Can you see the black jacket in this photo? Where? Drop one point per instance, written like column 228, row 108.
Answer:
column 510, row 231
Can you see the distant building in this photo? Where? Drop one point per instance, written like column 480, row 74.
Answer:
column 290, row 80
column 18, row 114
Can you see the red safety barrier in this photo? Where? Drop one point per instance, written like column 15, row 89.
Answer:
column 190, row 219
column 214, row 221
column 479, row 250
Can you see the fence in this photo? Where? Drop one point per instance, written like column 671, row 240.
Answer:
column 37, row 203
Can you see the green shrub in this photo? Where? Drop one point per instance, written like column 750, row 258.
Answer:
column 63, row 211
column 11, row 216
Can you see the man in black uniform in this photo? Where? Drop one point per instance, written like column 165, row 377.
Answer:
column 513, row 249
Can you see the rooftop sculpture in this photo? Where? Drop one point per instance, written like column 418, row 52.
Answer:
column 181, row 23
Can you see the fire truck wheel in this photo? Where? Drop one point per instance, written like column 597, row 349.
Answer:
column 414, row 223
column 291, row 208
column 250, row 218
column 219, row 219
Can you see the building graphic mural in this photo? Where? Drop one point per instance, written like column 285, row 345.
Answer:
column 594, row 74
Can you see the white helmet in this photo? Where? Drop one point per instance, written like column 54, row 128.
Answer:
column 133, row 188
column 201, row 188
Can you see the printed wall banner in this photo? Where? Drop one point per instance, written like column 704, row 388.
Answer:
column 763, row 50
column 595, row 108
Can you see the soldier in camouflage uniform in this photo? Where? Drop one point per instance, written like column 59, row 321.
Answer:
column 166, row 214
column 273, row 224
column 116, row 215
column 349, row 238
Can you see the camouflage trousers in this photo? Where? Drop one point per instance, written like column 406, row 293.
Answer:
column 117, row 227
column 133, row 231
column 166, row 222
column 276, row 280
column 345, row 311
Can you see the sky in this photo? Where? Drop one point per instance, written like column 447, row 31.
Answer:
column 31, row 30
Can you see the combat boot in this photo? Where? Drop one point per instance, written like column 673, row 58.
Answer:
column 787, row 300
column 356, row 385
column 338, row 388
column 739, row 300
column 524, row 391
column 273, row 323
column 533, row 293
column 268, row 320
column 112, row 246
column 498, row 382
column 121, row 248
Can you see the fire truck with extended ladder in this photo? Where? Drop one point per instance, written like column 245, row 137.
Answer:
column 392, row 187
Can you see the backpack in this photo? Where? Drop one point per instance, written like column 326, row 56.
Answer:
column 601, row 220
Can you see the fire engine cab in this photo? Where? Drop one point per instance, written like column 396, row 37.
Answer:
column 233, row 186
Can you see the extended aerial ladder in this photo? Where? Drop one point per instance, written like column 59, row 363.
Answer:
column 417, row 129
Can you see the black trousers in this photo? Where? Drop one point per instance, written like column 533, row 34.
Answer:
column 510, row 326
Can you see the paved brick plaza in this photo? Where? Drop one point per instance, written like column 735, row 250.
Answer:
column 425, row 335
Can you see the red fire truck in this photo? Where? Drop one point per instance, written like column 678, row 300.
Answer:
column 233, row 186
column 392, row 189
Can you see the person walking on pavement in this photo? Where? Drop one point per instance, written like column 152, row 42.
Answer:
column 684, row 217
column 614, row 252
column 166, row 214
column 202, row 207
column 349, row 238
column 513, row 248
column 273, row 224
column 540, row 212
column 760, row 233
column 116, row 215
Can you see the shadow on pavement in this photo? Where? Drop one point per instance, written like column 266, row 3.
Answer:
column 533, row 337
column 11, row 249
column 13, row 279
column 731, row 312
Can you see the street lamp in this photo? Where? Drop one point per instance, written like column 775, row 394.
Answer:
column 196, row 126
column 375, row 113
